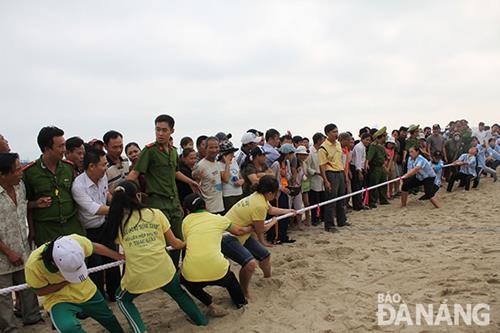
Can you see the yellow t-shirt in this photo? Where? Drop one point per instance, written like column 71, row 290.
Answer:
column 331, row 155
column 148, row 266
column 246, row 211
column 40, row 274
column 204, row 260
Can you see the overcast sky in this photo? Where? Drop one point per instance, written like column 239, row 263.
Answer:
column 90, row 66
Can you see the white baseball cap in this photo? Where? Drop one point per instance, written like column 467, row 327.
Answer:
column 390, row 139
column 70, row 259
column 301, row 150
column 249, row 138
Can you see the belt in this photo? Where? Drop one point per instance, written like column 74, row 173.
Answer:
column 335, row 171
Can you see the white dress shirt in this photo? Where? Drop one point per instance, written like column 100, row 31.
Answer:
column 89, row 198
column 359, row 156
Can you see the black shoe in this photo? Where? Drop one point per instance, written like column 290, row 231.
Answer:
column 385, row 203
column 372, row 206
column 346, row 224
column 288, row 240
column 332, row 230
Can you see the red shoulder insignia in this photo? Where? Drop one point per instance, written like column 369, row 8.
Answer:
column 151, row 145
column 29, row 165
column 68, row 162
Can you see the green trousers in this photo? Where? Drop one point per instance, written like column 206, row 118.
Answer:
column 173, row 211
column 377, row 175
column 125, row 300
column 174, row 216
column 63, row 315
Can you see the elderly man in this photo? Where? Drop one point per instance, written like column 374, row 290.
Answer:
column 14, row 247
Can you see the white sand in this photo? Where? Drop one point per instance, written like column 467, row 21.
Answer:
column 329, row 282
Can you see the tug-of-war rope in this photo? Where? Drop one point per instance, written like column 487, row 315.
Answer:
column 20, row 287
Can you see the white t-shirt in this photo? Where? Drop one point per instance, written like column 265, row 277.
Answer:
column 211, row 184
column 229, row 189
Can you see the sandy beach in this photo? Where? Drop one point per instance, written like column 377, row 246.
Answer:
column 330, row 282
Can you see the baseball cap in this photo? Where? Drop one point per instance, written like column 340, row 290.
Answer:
column 249, row 138
column 390, row 139
column 421, row 136
column 301, row 150
column 287, row 148
column 223, row 136
column 227, row 147
column 69, row 257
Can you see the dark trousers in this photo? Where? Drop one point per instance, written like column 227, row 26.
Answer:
column 377, row 175
column 229, row 282
column 475, row 182
column 314, row 199
column 282, row 224
column 356, row 185
column 464, row 180
column 336, row 209
column 110, row 277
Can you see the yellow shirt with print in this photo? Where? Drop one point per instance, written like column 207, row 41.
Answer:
column 204, row 260
column 40, row 274
column 149, row 266
column 246, row 211
column 330, row 154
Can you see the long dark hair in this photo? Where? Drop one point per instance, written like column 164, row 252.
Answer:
column 124, row 198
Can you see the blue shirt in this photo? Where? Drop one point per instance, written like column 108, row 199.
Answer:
column 493, row 153
column 481, row 155
column 272, row 154
column 470, row 167
column 438, row 169
column 425, row 170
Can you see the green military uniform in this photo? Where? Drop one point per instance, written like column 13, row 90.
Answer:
column 60, row 218
column 377, row 174
column 159, row 167
column 411, row 142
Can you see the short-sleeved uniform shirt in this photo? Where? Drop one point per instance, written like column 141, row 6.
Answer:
column 204, row 260
column 149, row 266
column 470, row 167
column 40, row 273
column 40, row 182
column 159, row 167
column 425, row 170
column 330, row 155
column 246, row 211
column 438, row 169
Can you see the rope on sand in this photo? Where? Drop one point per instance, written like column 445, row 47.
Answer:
column 21, row 287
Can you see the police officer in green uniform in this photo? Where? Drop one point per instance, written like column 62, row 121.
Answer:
column 412, row 141
column 377, row 174
column 158, row 162
column 48, row 183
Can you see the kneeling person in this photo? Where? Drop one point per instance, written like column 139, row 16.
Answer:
column 57, row 271
column 419, row 173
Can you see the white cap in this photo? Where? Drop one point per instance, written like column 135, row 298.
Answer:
column 249, row 138
column 421, row 136
column 70, row 259
column 301, row 150
column 391, row 139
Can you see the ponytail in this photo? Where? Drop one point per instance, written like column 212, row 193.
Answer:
column 124, row 198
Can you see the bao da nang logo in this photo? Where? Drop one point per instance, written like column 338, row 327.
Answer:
column 391, row 310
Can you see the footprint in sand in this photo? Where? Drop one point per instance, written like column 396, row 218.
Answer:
column 493, row 281
column 340, row 252
column 298, row 264
column 320, row 241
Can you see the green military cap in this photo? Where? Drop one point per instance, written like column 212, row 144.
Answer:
column 380, row 132
column 413, row 128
